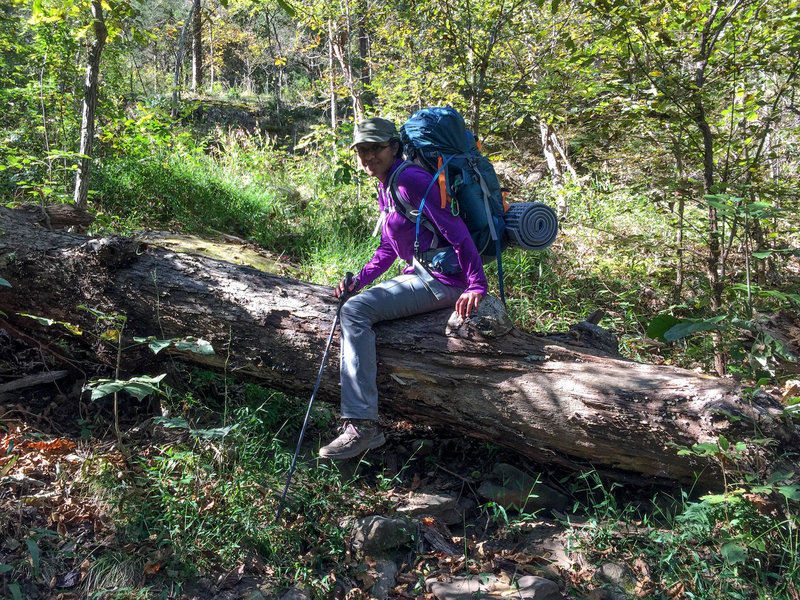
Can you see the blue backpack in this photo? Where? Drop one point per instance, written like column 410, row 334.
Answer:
column 437, row 140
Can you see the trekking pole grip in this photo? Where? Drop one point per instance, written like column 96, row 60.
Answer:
column 348, row 281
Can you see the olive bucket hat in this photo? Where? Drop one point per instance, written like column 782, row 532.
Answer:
column 373, row 130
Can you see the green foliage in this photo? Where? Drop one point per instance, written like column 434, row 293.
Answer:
column 635, row 94
column 184, row 193
column 759, row 354
column 138, row 387
column 716, row 546
column 47, row 322
column 216, row 494
column 188, row 344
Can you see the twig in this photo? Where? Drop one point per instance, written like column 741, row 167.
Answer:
column 116, row 376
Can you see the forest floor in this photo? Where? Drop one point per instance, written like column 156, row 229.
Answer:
column 45, row 432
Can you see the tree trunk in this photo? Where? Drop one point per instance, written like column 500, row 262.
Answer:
column 551, row 148
column 339, row 45
column 557, row 399
column 549, row 152
column 680, row 192
column 90, row 85
column 714, row 264
column 368, row 98
column 197, row 47
column 334, row 116
column 211, row 53
column 176, row 81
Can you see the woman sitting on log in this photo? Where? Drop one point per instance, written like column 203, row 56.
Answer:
column 380, row 154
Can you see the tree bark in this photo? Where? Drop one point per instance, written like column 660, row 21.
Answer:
column 90, row 85
column 179, row 59
column 340, row 40
column 332, row 89
column 211, row 53
column 557, row 399
column 368, row 98
column 197, row 47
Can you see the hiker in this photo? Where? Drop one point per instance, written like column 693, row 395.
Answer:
column 380, row 153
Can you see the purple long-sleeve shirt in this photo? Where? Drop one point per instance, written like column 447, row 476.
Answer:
column 398, row 233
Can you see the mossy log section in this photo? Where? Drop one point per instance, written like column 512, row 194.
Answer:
column 555, row 399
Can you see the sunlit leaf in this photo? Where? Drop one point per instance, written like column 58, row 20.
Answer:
column 172, row 422
column 287, row 8
column 4, row 471
column 706, row 448
column 207, row 434
column 660, row 325
column 687, row 328
column 198, row 346
column 154, row 344
column 733, row 553
column 41, row 320
column 213, row 434
column 139, row 387
column 792, row 492
column 716, row 498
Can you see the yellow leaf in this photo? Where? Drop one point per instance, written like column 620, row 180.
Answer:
column 111, row 335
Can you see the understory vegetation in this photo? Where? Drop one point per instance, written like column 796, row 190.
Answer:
column 203, row 499
column 689, row 267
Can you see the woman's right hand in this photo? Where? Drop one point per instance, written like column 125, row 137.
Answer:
column 340, row 288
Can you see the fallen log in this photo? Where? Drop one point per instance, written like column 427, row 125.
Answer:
column 555, row 399
column 31, row 381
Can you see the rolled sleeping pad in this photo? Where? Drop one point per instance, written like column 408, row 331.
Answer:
column 531, row 225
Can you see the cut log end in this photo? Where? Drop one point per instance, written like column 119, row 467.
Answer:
column 490, row 321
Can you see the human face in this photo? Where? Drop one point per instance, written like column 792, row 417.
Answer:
column 376, row 158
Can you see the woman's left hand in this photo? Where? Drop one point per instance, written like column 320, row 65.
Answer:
column 467, row 302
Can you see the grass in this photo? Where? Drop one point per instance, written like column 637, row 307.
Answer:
column 115, row 572
column 308, row 207
column 207, row 499
column 738, row 544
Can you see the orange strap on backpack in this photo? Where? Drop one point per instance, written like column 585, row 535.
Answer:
column 442, row 184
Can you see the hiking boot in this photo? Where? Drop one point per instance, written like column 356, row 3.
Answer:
column 357, row 435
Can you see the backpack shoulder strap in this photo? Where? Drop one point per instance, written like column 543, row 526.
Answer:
column 399, row 203
column 409, row 211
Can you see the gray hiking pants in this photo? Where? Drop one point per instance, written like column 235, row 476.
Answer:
column 399, row 297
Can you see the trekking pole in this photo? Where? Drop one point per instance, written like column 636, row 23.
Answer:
column 348, row 280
